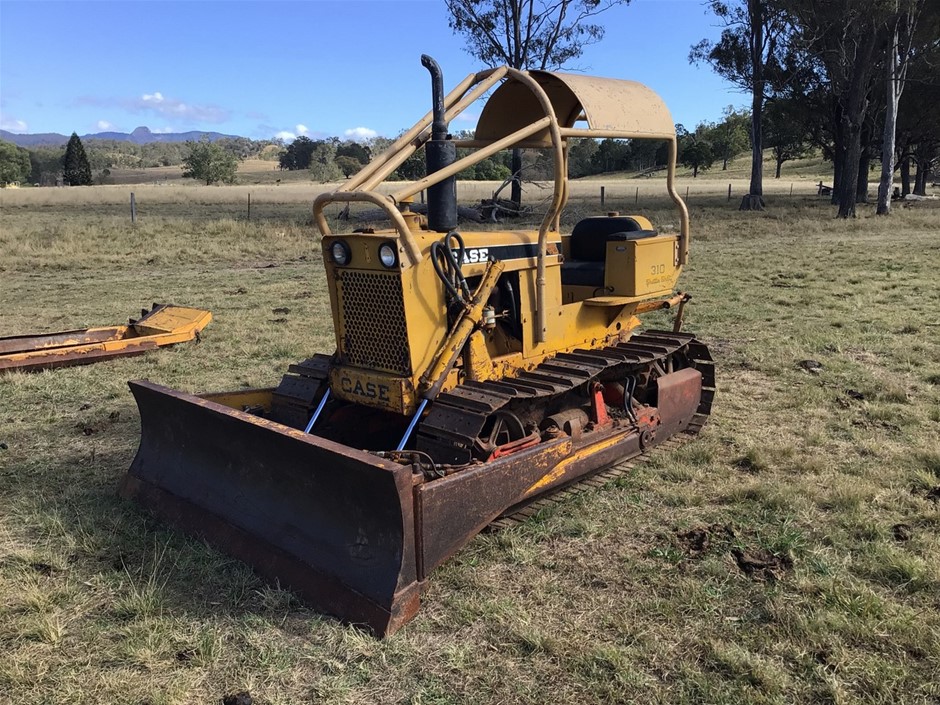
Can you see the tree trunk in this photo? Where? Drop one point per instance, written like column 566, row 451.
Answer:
column 847, row 188
column 838, row 159
column 755, row 197
column 754, row 200
column 905, row 174
column 864, row 167
column 853, row 118
column 780, row 161
column 516, row 190
column 923, row 168
column 891, row 121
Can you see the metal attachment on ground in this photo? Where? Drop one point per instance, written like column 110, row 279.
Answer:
column 163, row 324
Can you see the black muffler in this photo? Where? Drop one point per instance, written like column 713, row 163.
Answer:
column 440, row 152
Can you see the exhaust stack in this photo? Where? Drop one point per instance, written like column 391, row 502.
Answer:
column 440, row 152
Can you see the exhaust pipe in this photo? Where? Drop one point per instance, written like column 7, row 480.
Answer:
column 440, row 152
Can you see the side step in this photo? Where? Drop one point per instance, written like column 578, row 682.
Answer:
column 164, row 324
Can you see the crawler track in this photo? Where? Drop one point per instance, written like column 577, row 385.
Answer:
column 452, row 429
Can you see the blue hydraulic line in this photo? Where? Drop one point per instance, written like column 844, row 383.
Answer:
column 411, row 426
column 316, row 414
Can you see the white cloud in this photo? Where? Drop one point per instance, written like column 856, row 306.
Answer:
column 162, row 130
column 300, row 130
column 105, row 125
column 12, row 125
column 162, row 105
column 177, row 109
column 360, row 134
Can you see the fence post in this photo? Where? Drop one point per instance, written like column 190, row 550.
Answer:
column 791, row 189
column 687, row 193
column 636, row 199
column 133, row 209
column 422, row 196
column 729, row 192
column 249, row 207
column 602, row 195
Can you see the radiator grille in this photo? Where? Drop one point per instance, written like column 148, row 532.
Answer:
column 374, row 335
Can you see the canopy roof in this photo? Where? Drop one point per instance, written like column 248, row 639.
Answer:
column 612, row 107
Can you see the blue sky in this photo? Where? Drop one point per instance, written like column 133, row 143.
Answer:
column 317, row 67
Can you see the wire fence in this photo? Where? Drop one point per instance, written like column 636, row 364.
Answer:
column 293, row 202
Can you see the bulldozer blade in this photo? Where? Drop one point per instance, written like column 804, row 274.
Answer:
column 164, row 324
column 355, row 535
column 334, row 524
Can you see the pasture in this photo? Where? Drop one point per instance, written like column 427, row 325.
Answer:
column 790, row 554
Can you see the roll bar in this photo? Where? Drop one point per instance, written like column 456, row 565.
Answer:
column 612, row 108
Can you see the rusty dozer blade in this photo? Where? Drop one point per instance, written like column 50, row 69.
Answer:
column 353, row 533
column 334, row 523
column 164, row 324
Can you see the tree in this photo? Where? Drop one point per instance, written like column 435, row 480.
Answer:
column 14, row 163
column 749, row 53
column 323, row 165
column 45, row 164
column 414, row 167
column 348, row 165
column 786, row 131
column 76, row 169
column 611, row 155
column 902, row 30
column 695, row 151
column 845, row 38
column 919, row 122
column 581, row 154
column 359, row 152
column 730, row 136
column 298, row 154
column 209, row 162
column 527, row 34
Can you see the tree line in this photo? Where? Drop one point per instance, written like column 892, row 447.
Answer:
column 858, row 80
column 854, row 79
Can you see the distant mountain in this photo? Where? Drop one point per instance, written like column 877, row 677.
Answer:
column 142, row 135
column 44, row 138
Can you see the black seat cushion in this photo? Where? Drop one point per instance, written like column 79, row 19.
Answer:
column 590, row 236
column 582, row 274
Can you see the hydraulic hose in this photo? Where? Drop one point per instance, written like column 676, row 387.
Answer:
column 448, row 265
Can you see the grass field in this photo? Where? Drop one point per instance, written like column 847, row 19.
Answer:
column 791, row 554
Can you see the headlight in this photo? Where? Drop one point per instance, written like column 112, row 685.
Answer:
column 340, row 252
column 387, row 255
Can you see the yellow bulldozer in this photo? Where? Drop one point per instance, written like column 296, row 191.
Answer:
column 474, row 370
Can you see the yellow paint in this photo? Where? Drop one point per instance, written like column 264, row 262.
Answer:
column 391, row 323
column 241, row 399
column 369, row 388
column 166, row 325
column 561, row 468
column 642, row 268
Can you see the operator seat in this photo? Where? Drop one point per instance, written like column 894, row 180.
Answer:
column 588, row 247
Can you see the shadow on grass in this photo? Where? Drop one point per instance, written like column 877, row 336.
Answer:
column 87, row 531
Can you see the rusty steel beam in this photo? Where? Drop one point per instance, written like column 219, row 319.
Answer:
column 164, row 324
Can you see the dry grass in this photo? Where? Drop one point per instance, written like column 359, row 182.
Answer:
column 633, row 593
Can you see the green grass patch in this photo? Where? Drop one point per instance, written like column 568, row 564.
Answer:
column 789, row 555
